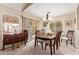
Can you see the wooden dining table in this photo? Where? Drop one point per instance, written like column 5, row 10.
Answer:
column 46, row 38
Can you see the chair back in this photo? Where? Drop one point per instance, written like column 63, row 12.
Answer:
column 58, row 35
column 70, row 34
column 37, row 32
column 49, row 34
column 57, row 41
column 57, row 38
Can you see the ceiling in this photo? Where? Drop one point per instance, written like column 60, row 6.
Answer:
column 40, row 9
column 17, row 6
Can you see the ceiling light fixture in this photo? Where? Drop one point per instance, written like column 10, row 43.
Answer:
column 46, row 18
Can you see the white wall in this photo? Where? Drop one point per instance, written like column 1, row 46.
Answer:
column 76, row 33
column 76, row 29
column 1, row 31
column 62, row 18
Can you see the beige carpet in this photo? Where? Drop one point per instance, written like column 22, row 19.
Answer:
column 30, row 50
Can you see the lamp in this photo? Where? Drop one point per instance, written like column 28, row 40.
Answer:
column 46, row 23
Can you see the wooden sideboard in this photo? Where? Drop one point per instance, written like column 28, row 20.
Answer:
column 15, row 38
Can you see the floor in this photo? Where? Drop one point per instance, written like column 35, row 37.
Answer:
column 30, row 50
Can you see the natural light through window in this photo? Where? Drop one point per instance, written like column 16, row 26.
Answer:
column 11, row 28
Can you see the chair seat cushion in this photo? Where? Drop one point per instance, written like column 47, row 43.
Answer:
column 39, row 40
column 65, row 38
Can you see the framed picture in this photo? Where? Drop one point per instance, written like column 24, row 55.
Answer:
column 68, row 23
column 10, row 19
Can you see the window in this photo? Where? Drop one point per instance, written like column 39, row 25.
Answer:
column 11, row 28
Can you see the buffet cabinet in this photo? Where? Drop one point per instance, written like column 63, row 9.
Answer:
column 15, row 38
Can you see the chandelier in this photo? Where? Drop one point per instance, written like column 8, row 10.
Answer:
column 45, row 20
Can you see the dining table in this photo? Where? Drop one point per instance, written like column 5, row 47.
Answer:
column 46, row 38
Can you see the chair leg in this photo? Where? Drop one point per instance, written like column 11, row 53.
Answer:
column 25, row 43
column 18, row 45
column 71, row 42
column 74, row 45
column 45, row 45
column 42, row 45
column 61, row 40
column 54, row 49
column 66, row 43
column 13, row 46
column 57, row 46
column 59, row 43
column 3, row 47
column 37, row 43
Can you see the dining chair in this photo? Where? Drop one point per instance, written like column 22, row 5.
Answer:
column 38, row 32
column 68, row 37
column 58, row 37
column 48, row 44
column 56, row 41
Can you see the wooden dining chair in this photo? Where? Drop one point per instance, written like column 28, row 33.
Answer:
column 68, row 37
column 58, row 37
column 47, row 43
column 38, row 32
column 56, row 41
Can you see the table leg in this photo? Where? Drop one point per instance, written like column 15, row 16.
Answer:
column 51, row 47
